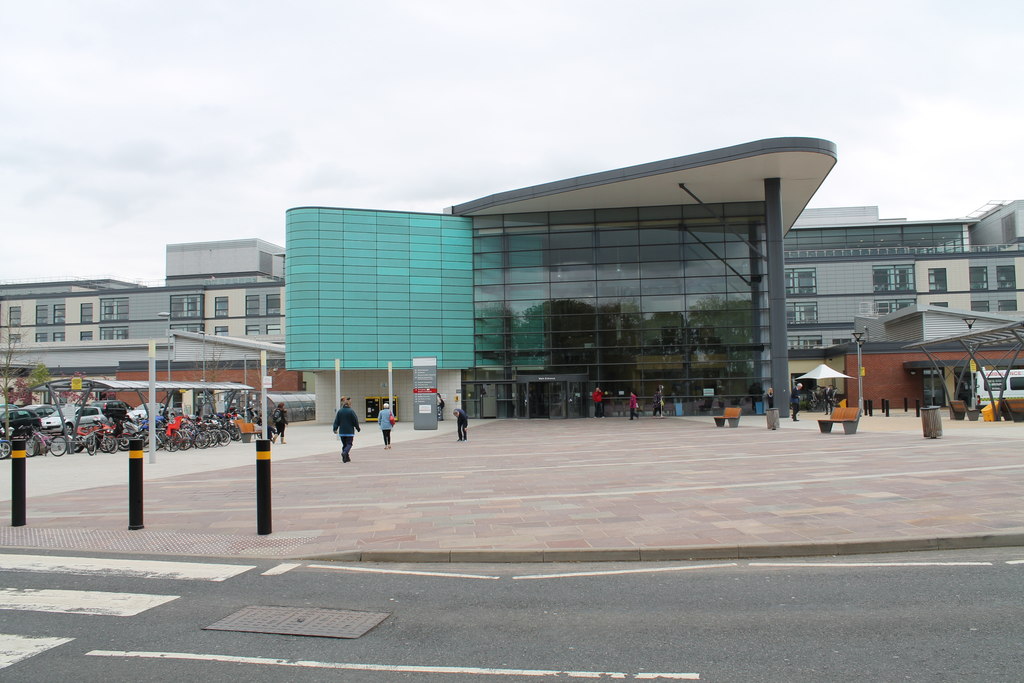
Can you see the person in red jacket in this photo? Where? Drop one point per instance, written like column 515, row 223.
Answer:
column 598, row 397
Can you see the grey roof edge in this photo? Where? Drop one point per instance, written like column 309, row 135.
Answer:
column 717, row 156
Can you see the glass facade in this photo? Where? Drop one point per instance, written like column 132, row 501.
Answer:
column 628, row 299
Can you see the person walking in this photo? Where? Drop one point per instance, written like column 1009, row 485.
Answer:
column 770, row 397
column 794, row 401
column 634, row 404
column 279, row 418
column 598, row 397
column 461, row 423
column 386, row 420
column 659, row 402
column 346, row 424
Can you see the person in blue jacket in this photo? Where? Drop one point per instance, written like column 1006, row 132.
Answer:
column 346, row 424
column 384, row 418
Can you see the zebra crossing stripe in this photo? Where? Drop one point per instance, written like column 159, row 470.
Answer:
column 80, row 602
column 14, row 648
column 147, row 569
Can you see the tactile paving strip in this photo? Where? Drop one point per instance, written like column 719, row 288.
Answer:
column 301, row 621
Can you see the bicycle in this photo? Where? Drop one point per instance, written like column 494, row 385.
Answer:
column 41, row 443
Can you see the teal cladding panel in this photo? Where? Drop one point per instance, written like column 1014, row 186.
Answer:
column 370, row 287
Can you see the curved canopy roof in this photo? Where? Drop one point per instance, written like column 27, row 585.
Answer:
column 730, row 174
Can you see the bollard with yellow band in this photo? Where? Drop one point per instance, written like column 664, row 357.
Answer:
column 18, row 482
column 135, row 447
column 263, row 521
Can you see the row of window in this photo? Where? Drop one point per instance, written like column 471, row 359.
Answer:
column 900, row 278
column 113, row 333
column 806, row 312
column 182, row 307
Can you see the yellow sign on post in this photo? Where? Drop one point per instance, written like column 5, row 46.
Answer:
column 76, row 384
column 974, row 366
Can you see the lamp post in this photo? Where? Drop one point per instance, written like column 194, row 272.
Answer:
column 167, row 315
column 859, row 338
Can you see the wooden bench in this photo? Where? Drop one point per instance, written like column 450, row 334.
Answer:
column 732, row 416
column 958, row 410
column 1012, row 409
column 848, row 417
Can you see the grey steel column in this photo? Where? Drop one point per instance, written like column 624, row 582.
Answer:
column 777, row 293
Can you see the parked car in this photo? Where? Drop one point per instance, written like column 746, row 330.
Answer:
column 116, row 410
column 22, row 420
column 139, row 413
column 48, row 415
column 86, row 415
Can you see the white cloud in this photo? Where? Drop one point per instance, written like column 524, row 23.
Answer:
column 129, row 125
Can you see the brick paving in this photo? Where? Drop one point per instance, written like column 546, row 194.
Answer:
column 542, row 490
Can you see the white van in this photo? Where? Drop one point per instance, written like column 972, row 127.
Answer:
column 996, row 382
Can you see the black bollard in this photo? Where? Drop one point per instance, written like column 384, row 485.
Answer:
column 917, row 407
column 135, row 448
column 263, row 521
column 885, row 406
column 18, row 482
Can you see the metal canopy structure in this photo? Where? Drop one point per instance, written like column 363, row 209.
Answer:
column 1007, row 339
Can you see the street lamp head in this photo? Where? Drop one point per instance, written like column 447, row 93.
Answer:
column 970, row 322
column 858, row 337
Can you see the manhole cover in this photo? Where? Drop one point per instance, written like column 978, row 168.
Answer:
column 301, row 621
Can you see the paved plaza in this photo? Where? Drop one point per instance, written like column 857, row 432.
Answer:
column 546, row 490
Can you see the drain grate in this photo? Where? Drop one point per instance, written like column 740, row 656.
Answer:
column 300, row 621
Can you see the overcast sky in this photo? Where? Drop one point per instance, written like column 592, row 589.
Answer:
column 127, row 125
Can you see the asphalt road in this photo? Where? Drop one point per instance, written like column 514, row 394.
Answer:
column 940, row 616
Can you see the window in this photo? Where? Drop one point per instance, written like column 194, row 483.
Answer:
column 893, row 278
column 252, row 330
column 185, row 306
column 1007, row 305
column 15, row 338
column 113, row 309
column 58, row 314
column 979, row 306
column 189, row 327
column 42, row 314
column 86, row 313
column 888, row 306
column 979, row 278
column 273, row 304
column 252, row 304
column 798, row 312
column 936, row 279
column 1006, row 277
column 114, row 332
column 221, row 331
column 273, row 329
column 804, row 341
column 58, row 336
column 801, row 281
column 85, row 335
column 14, row 316
column 220, row 307
column 41, row 336
column 943, row 304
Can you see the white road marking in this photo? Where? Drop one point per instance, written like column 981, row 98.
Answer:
column 148, row 569
column 395, row 668
column 373, row 570
column 281, row 568
column 870, row 564
column 14, row 648
column 80, row 602
column 625, row 571
column 1015, row 562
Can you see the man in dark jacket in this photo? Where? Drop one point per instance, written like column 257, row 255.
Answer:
column 461, row 423
column 346, row 424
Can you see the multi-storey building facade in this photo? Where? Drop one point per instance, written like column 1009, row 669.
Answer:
column 846, row 263
column 231, row 288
